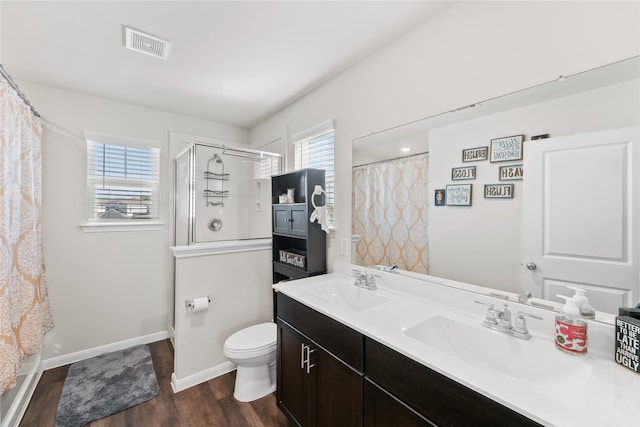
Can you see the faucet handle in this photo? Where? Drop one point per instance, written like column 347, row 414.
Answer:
column 485, row 303
column 491, row 318
column 533, row 316
column 520, row 327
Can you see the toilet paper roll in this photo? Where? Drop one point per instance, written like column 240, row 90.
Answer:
column 200, row 304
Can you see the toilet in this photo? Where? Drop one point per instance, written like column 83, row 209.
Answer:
column 253, row 351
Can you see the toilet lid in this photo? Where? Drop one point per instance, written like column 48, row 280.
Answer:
column 256, row 336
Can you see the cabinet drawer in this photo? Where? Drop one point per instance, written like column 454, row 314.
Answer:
column 338, row 339
column 438, row 398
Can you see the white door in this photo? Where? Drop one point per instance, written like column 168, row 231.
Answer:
column 580, row 217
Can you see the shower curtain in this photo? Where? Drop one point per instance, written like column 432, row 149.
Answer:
column 24, row 306
column 390, row 213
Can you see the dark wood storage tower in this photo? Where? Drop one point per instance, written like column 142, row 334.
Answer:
column 292, row 230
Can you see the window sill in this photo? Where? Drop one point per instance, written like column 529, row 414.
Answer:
column 108, row 227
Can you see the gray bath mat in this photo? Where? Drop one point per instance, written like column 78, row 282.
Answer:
column 106, row 384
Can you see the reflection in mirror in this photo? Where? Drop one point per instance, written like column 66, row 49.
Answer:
column 390, row 212
column 482, row 243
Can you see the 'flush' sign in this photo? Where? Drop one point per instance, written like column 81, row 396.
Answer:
column 628, row 342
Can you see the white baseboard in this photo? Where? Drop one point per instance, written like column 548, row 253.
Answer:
column 199, row 377
column 67, row 359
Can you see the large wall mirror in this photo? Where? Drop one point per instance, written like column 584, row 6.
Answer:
column 477, row 235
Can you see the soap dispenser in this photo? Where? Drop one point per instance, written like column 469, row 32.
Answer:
column 586, row 310
column 571, row 328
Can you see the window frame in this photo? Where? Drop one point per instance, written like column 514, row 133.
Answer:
column 94, row 224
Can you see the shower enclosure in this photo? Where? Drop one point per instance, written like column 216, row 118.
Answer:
column 223, row 193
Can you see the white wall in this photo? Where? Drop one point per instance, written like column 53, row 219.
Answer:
column 239, row 285
column 470, row 52
column 481, row 244
column 103, row 287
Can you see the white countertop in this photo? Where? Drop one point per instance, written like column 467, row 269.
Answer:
column 553, row 388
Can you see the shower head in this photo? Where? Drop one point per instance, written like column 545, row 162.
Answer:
column 217, row 158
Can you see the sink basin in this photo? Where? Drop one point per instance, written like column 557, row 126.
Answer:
column 535, row 363
column 345, row 294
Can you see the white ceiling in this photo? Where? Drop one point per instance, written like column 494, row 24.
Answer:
column 234, row 62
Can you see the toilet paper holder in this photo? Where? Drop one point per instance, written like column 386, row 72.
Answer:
column 188, row 303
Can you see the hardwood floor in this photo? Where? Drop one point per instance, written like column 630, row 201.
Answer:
column 207, row 404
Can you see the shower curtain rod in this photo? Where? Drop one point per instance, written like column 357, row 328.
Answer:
column 13, row 84
column 390, row 160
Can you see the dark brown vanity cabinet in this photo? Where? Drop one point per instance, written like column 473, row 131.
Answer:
column 320, row 378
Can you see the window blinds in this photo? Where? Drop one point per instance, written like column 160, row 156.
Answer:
column 317, row 151
column 122, row 180
column 266, row 167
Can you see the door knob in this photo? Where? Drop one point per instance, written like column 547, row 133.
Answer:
column 531, row 266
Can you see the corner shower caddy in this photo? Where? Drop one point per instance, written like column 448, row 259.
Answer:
column 218, row 196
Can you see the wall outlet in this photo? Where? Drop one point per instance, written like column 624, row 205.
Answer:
column 344, row 247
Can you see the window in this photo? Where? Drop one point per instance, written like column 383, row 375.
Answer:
column 122, row 178
column 267, row 166
column 314, row 148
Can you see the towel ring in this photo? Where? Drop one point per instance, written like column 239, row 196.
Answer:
column 317, row 191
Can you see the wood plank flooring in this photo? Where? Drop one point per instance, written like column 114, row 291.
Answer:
column 207, row 404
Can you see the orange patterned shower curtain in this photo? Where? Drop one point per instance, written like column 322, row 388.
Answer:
column 389, row 202
column 24, row 306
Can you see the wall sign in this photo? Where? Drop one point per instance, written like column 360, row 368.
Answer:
column 465, row 172
column 459, row 195
column 507, row 148
column 475, row 154
column 498, row 191
column 628, row 342
column 510, row 173
column 440, row 197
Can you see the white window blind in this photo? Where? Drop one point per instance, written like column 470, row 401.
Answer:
column 122, row 180
column 316, row 150
column 267, row 167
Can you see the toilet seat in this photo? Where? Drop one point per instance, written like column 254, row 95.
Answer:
column 253, row 341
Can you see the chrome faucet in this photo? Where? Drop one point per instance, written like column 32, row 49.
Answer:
column 365, row 280
column 387, row 268
column 524, row 297
column 500, row 320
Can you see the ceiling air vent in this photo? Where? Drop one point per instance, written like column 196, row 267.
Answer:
column 145, row 43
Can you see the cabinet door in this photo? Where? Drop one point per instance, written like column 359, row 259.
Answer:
column 298, row 221
column 281, row 217
column 382, row 409
column 314, row 387
column 294, row 384
column 338, row 397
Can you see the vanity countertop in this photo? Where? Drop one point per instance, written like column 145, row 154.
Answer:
column 439, row 326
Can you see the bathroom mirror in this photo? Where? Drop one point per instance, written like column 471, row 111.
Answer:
column 479, row 240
